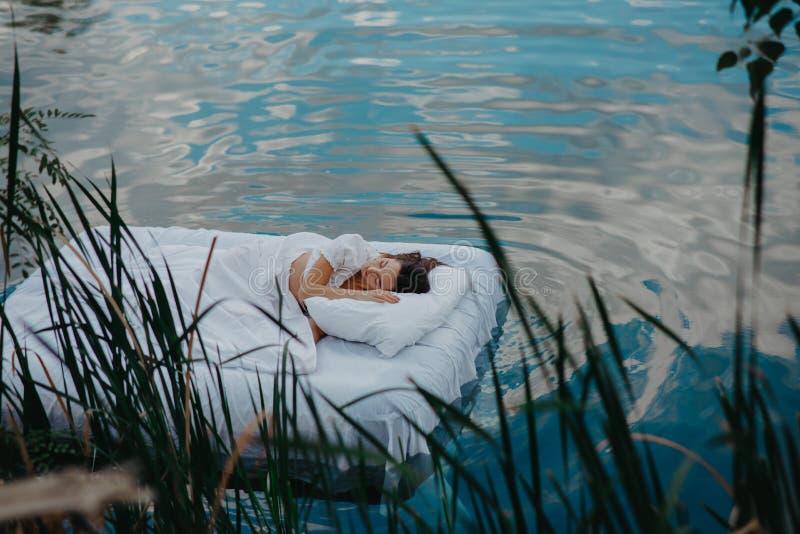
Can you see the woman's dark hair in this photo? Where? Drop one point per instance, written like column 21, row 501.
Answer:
column 414, row 269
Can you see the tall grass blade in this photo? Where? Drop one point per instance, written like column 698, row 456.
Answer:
column 612, row 338
column 653, row 320
column 794, row 327
column 542, row 523
column 507, row 458
column 675, row 485
column 11, row 178
column 488, row 233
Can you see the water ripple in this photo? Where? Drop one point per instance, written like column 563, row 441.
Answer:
column 597, row 136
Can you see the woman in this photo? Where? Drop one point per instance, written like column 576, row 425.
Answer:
column 248, row 321
column 349, row 267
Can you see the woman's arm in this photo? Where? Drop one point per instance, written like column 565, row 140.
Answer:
column 315, row 284
column 316, row 330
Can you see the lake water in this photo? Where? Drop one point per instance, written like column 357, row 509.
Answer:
column 596, row 135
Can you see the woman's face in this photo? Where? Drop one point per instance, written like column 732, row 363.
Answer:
column 380, row 273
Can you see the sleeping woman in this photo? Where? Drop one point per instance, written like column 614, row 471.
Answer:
column 349, row 267
column 244, row 284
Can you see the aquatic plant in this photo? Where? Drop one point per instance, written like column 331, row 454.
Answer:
column 133, row 399
column 760, row 55
column 130, row 397
column 27, row 130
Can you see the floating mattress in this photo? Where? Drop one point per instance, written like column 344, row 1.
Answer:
column 445, row 362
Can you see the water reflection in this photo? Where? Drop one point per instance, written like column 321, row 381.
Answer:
column 73, row 17
column 597, row 137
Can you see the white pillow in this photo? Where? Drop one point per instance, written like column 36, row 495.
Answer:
column 392, row 326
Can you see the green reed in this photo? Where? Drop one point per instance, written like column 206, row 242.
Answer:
column 133, row 400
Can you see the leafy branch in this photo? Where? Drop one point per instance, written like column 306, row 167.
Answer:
column 32, row 142
column 761, row 55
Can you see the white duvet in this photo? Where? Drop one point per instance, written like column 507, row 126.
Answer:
column 243, row 268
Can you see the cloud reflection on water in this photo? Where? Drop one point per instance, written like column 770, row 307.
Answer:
column 610, row 148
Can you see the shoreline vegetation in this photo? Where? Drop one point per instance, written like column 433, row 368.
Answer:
column 163, row 466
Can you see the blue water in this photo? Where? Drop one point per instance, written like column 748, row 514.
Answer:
column 596, row 136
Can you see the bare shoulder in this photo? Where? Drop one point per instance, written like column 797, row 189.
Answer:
column 296, row 271
column 299, row 263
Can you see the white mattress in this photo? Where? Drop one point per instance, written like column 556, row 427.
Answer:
column 442, row 361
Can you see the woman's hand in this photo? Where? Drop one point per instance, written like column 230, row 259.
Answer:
column 376, row 295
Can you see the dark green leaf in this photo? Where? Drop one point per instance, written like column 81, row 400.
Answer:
column 779, row 20
column 744, row 53
column 763, row 9
column 772, row 49
column 727, row 60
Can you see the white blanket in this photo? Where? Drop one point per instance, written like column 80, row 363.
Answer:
column 240, row 280
column 442, row 361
